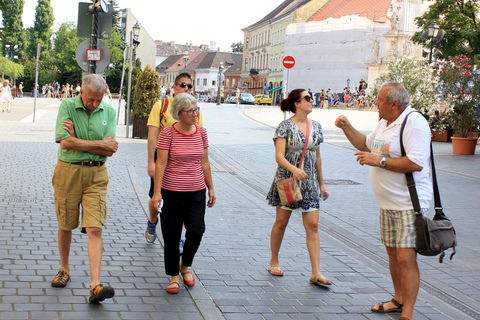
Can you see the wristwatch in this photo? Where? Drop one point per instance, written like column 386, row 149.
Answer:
column 383, row 163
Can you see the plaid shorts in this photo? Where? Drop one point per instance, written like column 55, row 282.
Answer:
column 397, row 228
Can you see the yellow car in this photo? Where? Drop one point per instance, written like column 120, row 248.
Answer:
column 263, row 99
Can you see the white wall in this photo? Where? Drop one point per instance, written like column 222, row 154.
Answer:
column 210, row 75
column 329, row 52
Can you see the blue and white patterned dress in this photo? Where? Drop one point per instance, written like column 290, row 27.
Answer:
column 293, row 152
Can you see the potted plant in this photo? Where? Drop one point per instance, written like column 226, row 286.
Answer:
column 147, row 92
column 460, row 83
column 440, row 125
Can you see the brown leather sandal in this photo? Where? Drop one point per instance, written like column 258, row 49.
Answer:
column 381, row 309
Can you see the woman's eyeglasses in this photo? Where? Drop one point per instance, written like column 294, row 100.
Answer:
column 307, row 98
column 183, row 85
column 190, row 112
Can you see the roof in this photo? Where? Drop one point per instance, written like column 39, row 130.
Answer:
column 275, row 12
column 212, row 60
column 374, row 10
column 237, row 67
column 167, row 63
column 194, row 59
column 171, row 48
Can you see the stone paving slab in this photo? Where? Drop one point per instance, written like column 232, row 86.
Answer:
column 230, row 267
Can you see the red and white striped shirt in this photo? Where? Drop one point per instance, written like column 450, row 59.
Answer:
column 183, row 172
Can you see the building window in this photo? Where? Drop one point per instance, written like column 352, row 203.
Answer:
column 204, row 81
column 213, row 82
column 198, row 80
column 246, row 64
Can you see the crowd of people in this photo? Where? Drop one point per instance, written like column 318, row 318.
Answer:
column 64, row 91
column 353, row 98
column 182, row 185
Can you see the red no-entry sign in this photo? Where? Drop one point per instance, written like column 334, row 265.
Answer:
column 288, row 62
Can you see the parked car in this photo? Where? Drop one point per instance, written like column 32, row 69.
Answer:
column 263, row 99
column 246, row 98
column 230, row 100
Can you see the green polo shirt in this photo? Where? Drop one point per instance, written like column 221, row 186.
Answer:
column 96, row 126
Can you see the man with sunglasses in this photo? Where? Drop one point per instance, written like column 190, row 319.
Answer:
column 157, row 121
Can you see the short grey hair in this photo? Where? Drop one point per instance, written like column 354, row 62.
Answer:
column 181, row 101
column 94, row 82
column 397, row 92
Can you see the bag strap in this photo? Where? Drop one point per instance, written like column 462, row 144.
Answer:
column 304, row 148
column 411, row 182
column 163, row 110
column 306, row 144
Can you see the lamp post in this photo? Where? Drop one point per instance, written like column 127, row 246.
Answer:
column 348, row 82
column 133, row 33
column 136, row 34
column 220, row 68
column 433, row 30
column 185, row 57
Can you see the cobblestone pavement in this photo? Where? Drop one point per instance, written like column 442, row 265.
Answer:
column 230, row 266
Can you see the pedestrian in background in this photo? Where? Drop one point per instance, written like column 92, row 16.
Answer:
column 20, row 90
column 6, row 95
column 85, row 129
column 182, row 174
column 290, row 139
column 381, row 151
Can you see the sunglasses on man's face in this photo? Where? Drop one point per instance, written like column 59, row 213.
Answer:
column 307, row 98
column 183, row 85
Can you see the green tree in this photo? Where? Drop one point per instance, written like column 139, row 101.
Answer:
column 418, row 79
column 41, row 33
column 13, row 28
column 135, row 74
column 117, row 17
column 66, row 44
column 459, row 20
column 10, row 69
column 237, row 47
column 147, row 92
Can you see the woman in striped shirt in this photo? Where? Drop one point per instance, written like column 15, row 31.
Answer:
column 182, row 174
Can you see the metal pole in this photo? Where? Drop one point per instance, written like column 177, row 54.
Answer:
column 129, row 80
column 36, row 83
column 431, row 50
column 121, row 84
column 92, row 65
column 219, row 78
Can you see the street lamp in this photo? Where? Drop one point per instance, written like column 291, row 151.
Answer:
column 219, row 78
column 136, row 34
column 348, row 82
column 185, row 57
column 133, row 33
column 432, row 33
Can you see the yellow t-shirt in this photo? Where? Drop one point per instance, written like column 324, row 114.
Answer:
column 167, row 120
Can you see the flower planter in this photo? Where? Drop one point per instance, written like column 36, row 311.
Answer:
column 140, row 129
column 464, row 145
column 441, row 136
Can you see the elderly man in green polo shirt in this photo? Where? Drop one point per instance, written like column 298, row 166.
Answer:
column 85, row 129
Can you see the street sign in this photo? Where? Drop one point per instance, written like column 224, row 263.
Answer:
column 288, row 62
column 81, row 55
column 265, row 88
column 84, row 24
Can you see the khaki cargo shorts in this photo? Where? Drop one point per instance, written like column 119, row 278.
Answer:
column 75, row 185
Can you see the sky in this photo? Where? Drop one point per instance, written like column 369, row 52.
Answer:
column 182, row 21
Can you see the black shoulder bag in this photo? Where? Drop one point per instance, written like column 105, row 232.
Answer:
column 433, row 236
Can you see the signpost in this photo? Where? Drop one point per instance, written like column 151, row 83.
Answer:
column 94, row 21
column 288, row 63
